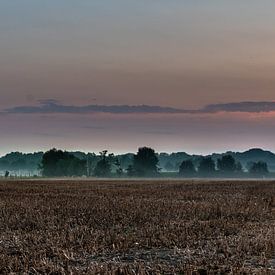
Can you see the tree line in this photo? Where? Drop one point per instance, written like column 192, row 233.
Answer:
column 58, row 163
column 225, row 166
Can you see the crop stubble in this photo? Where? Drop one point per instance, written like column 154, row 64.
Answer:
column 137, row 227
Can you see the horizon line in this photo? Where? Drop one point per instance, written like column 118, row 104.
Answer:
column 131, row 152
column 53, row 106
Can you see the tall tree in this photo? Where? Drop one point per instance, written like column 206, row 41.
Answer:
column 56, row 163
column 187, row 168
column 145, row 162
column 103, row 166
column 259, row 168
column 119, row 170
column 228, row 165
column 49, row 162
column 207, row 167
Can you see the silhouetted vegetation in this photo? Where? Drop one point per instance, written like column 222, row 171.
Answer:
column 259, row 168
column 206, row 167
column 56, row 163
column 228, row 166
column 145, row 162
column 103, row 167
column 24, row 164
column 7, row 173
column 119, row 170
column 187, row 169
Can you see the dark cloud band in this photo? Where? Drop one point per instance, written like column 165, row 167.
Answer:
column 51, row 106
column 249, row 107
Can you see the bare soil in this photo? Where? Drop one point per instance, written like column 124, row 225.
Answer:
column 137, row 227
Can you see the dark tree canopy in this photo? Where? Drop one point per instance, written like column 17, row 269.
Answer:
column 7, row 173
column 119, row 170
column 16, row 161
column 145, row 162
column 56, row 163
column 228, row 165
column 187, row 168
column 259, row 169
column 206, row 166
column 103, row 166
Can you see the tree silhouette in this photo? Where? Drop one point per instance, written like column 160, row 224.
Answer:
column 103, row 166
column 56, row 163
column 119, row 170
column 91, row 160
column 49, row 162
column 187, row 168
column 228, row 165
column 206, row 167
column 7, row 173
column 145, row 162
column 259, row 168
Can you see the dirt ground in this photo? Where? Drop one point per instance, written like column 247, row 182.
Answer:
column 137, row 227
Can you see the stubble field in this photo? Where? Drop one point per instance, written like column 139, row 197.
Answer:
column 137, row 227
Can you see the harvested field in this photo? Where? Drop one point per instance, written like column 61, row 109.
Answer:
column 137, row 227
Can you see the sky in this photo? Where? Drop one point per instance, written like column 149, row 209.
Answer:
column 77, row 74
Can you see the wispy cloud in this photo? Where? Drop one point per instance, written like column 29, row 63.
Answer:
column 248, row 107
column 51, row 106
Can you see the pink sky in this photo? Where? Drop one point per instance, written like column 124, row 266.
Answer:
column 200, row 133
column 181, row 54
